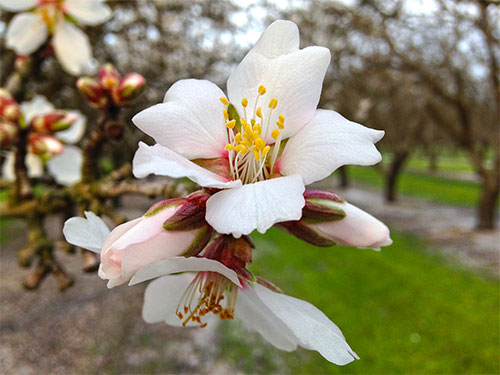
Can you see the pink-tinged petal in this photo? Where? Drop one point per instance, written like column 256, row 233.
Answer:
column 37, row 106
column 160, row 160
column 89, row 233
column 294, row 77
column 181, row 264
column 88, row 12
column 72, row 48
column 26, row 33
column 327, row 142
column 189, row 122
column 119, row 231
column 312, row 328
column 76, row 131
column 257, row 316
column 162, row 297
column 358, row 228
column 256, row 206
column 66, row 167
column 17, row 5
column 32, row 162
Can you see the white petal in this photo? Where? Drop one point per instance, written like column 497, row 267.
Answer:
column 72, row 48
column 310, row 326
column 256, row 206
column 161, row 161
column 181, row 264
column 76, row 131
column 358, row 228
column 66, row 167
column 294, row 77
column 88, row 12
column 327, row 142
column 17, row 5
column 257, row 316
column 32, row 162
column 190, row 122
column 162, row 297
column 88, row 233
column 26, row 33
column 39, row 105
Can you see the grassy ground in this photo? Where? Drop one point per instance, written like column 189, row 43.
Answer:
column 434, row 188
column 401, row 310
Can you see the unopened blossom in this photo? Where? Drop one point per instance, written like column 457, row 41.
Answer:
column 262, row 143
column 138, row 242
column 65, row 161
column 42, row 19
column 196, row 291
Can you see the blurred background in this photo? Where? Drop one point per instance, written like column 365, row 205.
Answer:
column 426, row 72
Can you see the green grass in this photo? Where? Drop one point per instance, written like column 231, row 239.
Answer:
column 433, row 188
column 402, row 310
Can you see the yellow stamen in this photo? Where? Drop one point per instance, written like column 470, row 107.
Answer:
column 257, row 128
column 260, row 143
column 275, row 134
column 259, row 112
column 273, row 103
column 256, row 154
column 246, row 143
column 226, row 115
column 231, row 124
column 228, row 147
column 262, row 90
column 280, row 125
column 244, row 102
column 237, row 138
column 224, row 100
column 265, row 151
column 241, row 149
column 281, row 118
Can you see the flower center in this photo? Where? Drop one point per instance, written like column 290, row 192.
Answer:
column 205, row 295
column 50, row 11
column 251, row 159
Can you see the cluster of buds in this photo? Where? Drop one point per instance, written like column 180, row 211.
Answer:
column 40, row 129
column 111, row 89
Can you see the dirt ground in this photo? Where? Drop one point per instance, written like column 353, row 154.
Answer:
column 90, row 329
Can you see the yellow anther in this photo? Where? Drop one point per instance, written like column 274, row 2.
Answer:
column 256, row 134
column 256, row 154
column 273, row 103
column 248, row 134
column 226, row 115
column 259, row 112
column 244, row 102
column 231, row 124
column 224, row 100
column 280, row 125
column 246, row 143
column 281, row 118
column 252, row 121
column 265, row 151
column 260, row 143
column 244, row 122
column 275, row 134
column 228, row 147
column 257, row 128
column 237, row 138
column 241, row 149
column 262, row 90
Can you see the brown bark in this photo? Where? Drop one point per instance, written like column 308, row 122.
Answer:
column 487, row 208
column 392, row 175
column 344, row 177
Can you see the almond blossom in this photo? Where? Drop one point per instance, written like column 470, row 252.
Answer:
column 55, row 18
column 207, row 290
column 262, row 143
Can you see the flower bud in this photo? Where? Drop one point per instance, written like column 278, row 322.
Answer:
column 9, row 109
column 44, row 145
column 139, row 242
column 328, row 220
column 8, row 134
column 23, row 64
column 93, row 92
column 109, row 77
column 191, row 215
column 53, row 122
column 4, row 94
column 130, row 87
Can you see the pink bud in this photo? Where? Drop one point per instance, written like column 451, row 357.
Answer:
column 130, row 87
column 44, row 145
column 93, row 92
column 136, row 243
column 109, row 77
column 9, row 109
column 53, row 122
column 8, row 134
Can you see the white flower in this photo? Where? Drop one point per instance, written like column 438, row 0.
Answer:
column 64, row 167
column 281, row 143
column 28, row 31
column 208, row 290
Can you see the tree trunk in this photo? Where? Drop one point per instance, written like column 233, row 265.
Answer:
column 487, row 208
column 344, row 177
column 392, row 175
column 433, row 160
